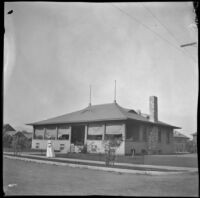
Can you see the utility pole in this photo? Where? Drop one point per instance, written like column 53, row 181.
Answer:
column 115, row 93
column 90, row 96
column 189, row 44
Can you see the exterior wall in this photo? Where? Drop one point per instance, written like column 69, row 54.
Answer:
column 195, row 142
column 195, row 138
column 179, row 147
column 151, row 144
column 138, row 146
column 56, row 144
column 164, row 147
column 95, row 146
column 130, row 142
column 98, row 146
column 121, row 149
column 180, row 144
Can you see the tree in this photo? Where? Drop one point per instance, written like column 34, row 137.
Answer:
column 20, row 142
column 191, row 147
column 110, row 146
column 15, row 145
column 7, row 141
column 196, row 10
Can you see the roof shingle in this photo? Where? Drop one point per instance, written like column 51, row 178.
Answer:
column 102, row 112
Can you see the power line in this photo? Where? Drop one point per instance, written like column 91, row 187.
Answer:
column 158, row 35
column 164, row 27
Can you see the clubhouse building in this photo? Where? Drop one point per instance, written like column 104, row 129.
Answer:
column 92, row 126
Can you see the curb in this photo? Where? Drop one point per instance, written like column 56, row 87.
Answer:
column 117, row 170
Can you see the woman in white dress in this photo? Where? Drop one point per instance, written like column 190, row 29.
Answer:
column 50, row 149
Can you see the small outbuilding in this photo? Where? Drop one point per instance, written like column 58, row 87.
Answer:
column 180, row 142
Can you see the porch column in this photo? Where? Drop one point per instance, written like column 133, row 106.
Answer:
column 44, row 133
column 124, row 138
column 140, row 133
column 104, row 132
column 33, row 135
column 86, row 132
column 124, row 132
column 70, row 134
column 56, row 132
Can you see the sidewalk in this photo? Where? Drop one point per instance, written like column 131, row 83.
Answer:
column 100, row 165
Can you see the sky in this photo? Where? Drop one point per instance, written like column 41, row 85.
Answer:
column 54, row 51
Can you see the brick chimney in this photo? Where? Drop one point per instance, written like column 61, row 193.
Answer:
column 153, row 108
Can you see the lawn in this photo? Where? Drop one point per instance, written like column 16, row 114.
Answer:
column 35, row 157
column 180, row 160
column 187, row 160
column 42, row 179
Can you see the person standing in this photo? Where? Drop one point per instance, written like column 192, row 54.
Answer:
column 50, row 149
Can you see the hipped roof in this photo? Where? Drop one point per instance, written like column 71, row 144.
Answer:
column 102, row 112
column 180, row 135
column 8, row 127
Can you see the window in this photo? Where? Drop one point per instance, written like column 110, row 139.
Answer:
column 63, row 132
column 94, row 137
column 39, row 133
column 159, row 135
column 144, row 133
column 51, row 132
column 95, row 129
column 113, row 137
column 114, row 131
column 133, row 132
column 37, row 146
column 136, row 135
column 114, row 128
column 64, row 137
column 168, row 137
column 62, row 146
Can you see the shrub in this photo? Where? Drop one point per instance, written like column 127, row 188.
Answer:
column 144, row 152
column 7, row 141
column 84, row 150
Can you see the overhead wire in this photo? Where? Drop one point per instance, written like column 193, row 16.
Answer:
column 158, row 35
column 164, row 26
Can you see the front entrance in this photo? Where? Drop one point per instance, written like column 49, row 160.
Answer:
column 78, row 135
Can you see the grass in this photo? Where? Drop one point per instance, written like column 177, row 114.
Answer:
column 101, row 157
column 180, row 160
column 189, row 160
column 43, row 179
column 99, row 165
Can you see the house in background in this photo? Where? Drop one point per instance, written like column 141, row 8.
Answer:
column 28, row 135
column 180, row 142
column 95, row 124
column 194, row 135
column 194, row 141
column 8, row 129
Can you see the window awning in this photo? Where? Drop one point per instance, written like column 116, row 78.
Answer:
column 62, row 130
column 39, row 131
column 51, row 132
column 95, row 129
column 114, row 129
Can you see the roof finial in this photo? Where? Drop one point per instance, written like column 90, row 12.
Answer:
column 90, row 95
column 115, row 93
